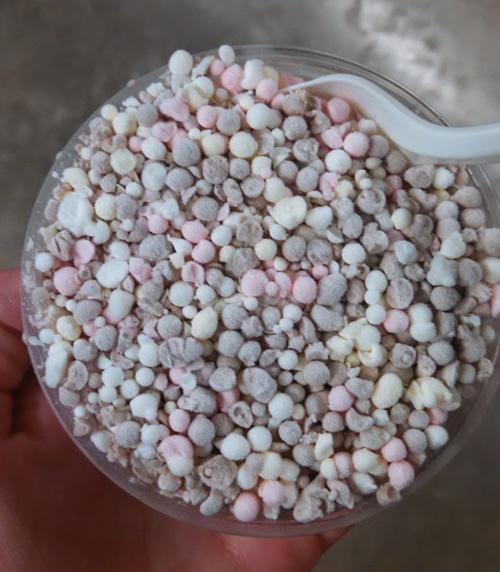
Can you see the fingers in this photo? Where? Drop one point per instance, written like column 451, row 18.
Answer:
column 10, row 303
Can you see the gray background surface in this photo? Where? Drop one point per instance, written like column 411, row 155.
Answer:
column 59, row 59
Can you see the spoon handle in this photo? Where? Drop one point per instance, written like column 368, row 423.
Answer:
column 421, row 140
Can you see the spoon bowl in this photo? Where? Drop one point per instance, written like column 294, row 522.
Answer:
column 419, row 139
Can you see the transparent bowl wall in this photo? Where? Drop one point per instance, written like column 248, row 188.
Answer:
column 306, row 64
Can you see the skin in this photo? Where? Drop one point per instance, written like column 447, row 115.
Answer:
column 59, row 513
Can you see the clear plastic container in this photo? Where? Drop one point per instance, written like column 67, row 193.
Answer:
column 305, row 64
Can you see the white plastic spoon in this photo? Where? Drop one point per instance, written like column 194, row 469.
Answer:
column 421, row 140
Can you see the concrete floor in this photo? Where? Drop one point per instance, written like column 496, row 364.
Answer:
column 59, row 59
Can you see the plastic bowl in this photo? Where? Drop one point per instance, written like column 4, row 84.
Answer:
column 306, row 64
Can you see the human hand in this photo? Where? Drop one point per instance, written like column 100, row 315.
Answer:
column 58, row 513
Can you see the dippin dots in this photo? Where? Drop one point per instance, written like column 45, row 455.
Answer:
column 253, row 301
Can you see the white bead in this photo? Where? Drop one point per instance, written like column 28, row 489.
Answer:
column 204, row 324
column 376, row 280
column 205, row 294
column 387, row 391
column 281, row 406
column 221, row 235
column 102, row 440
column 44, row 261
column 148, row 355
column 353, row 253
column 124, row 123
column 75, row 177
column 443, row 178
column 423, row 331
column 319, row 218
column 214, row 144
column 364, row 483
column 364, row 460
column 112, row 376
column 123, row 161
column 401, row 218
column 75, row 213
column 275, row 189
column 120, row 304
column 277, row 232
column 259, row 116
column 105, row 207
column 189, row 312
column 151, row 434
column 251, row 303
column 129, row 389
column 437, row 436
column 372, row 297
column 153, row 149
column 181, row 294
column 145, row 376
column 453, row 246
column 420, row 313
column 375, row 314
column 338, row 161
column 491, row 269
column 112, row 273
column 170, row 209
column 323, row 447
column 153, row 176
column 109, row 112
column 260, row 438
column 405, row 251
column 266, row 249
column 292, row 312
column 180, row 62
column 226, row 54
column 271, row 468
column 327, row 469
column 68, row 328
column 290, row 212
column 234, row 447
column 290, row 470
column 145, row 406
column 288, row 359
column 243, row 145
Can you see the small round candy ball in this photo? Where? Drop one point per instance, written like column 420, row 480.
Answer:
column 260, row 438
column 305, row 289
column 401, row 475
column 356, row 144
column 180, row 62
column 246, row 507
column 235, row 447
column 340, row 399
column 281, row 406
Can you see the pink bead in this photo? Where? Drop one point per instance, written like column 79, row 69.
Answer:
column 140, row 269
column 272, row 289
column 194, row 231
column 161, row 382
column 66, row 281
column 286, row 80
column 394, row 450
column 223, row 212
column 356, row 144
column 246, row 507
column 343, row 464
column 253, row 283
column 178, row 136
column 394, row 236
column 175, row 374
column 392, row 184
column 272, row 493
column 495, row 301
column 83, row 252
column 319, row 271
column 266, row 89
column 207, row 116
column 305, row 289
column 203, row 252
column 226, row 399
column 157, row 224
column 217, row 68
column 164, row 130
column 401, row 475
column 90, row 329
column 193, row 272
column 338, row 109
column 327, row 183
column 135, row 143
column 331, row 138
column 277, row 101
column 150, row 329
column 179, row 420
column 396, row 321
column 176, row 108
column 176, row 446
column 437, row 416
column 285, row 284
column 231, row 79
column 340, row 399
